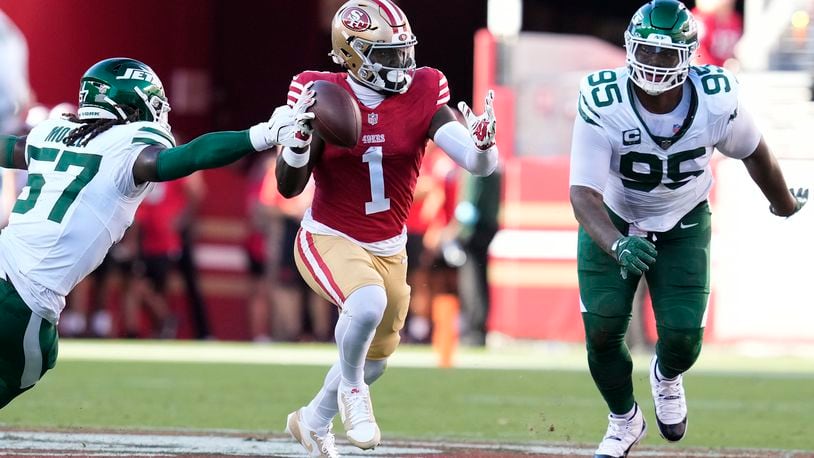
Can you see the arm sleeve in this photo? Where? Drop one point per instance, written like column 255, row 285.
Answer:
column 7, row 142
column 741, row 136
column 205, row 152
column 590, row 156
column 454, row 139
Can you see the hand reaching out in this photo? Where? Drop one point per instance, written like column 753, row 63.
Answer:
column 481, row 128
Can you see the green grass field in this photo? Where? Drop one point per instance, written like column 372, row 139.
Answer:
column 728, row 408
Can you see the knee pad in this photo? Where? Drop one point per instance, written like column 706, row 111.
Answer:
column 604, row 333
column 374, row 368
column 678, row 349
column 366, row 304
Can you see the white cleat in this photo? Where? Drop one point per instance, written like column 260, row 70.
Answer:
column 314, row 444
column 356, row 412
column 622, row 435
column 671, row 404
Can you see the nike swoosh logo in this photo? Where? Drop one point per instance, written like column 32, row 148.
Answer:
column 687, row 226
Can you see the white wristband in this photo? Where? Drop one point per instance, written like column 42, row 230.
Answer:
column 257, row 135
column 296, row 160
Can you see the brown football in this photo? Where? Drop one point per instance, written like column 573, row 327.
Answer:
column 337, row 119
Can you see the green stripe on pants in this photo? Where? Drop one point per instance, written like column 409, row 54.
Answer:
column 28, row 345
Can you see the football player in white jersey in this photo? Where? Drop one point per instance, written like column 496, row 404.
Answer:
column 87, row 175
column 640, row 178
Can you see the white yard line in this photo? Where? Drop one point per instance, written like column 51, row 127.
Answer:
column 31, row 443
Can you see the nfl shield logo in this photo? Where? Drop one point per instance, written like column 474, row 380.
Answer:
column 372, row 119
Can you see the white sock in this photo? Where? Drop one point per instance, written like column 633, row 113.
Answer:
column 320, row 412
column 661, row 376
column 626, row 416
column 361, row 314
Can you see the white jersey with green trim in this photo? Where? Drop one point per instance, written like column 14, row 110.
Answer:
column 77, row 203
column 649, row 180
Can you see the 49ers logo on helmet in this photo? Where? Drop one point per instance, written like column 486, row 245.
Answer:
column 356, row 19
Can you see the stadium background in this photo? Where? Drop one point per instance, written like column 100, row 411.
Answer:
column 227, row 64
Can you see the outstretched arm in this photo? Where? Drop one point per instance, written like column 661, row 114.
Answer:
column 12, row 152
column 766, row 173
column 155, row 163
column 474, row 148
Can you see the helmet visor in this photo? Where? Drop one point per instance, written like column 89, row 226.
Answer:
column 657, row 56
column 401, row 57
column 394, row 66
column 658, row 67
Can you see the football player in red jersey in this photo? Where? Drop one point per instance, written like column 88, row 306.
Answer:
column 351, row 244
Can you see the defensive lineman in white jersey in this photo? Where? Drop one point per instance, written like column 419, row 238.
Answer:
column 640, row 178
column 87, row 176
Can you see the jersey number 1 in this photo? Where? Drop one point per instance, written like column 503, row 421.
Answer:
column 90, row 167
column 373, row 157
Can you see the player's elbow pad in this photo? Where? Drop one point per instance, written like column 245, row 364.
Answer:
column 455, row 140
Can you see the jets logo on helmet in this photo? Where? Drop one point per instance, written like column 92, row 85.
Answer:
column 373, row 41
column 661, row 42
column 112, row 87
column 356, row 19
column 136, row 74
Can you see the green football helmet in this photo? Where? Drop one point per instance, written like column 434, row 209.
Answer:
column 661, row 42
column 110, row 84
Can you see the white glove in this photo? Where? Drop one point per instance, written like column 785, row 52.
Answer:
column 800, row 196
column 288, row 126
column 481, row 128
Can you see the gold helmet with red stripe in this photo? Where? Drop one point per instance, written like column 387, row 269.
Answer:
column 373, row 40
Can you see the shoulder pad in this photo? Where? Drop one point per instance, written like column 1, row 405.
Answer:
column 297, row 84
column 717, row 86
column 151, row 133
column 308, row 76
column 433, row 82
column 601, row 93
column 50, row 130
column 429, row 73
column 41, row 129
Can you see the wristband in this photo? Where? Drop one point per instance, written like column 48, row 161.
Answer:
column 296, row 160
column 257, row 135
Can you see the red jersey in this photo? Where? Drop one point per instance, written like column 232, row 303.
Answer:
column 157, row 216
column 366, row 192
column 718, row 34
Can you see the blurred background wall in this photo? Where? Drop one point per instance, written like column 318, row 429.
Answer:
column 226, row 64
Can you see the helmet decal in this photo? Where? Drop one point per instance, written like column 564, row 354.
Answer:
column 136, row 74
column 373, row 41
column 393, row 13
column 356, row 19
